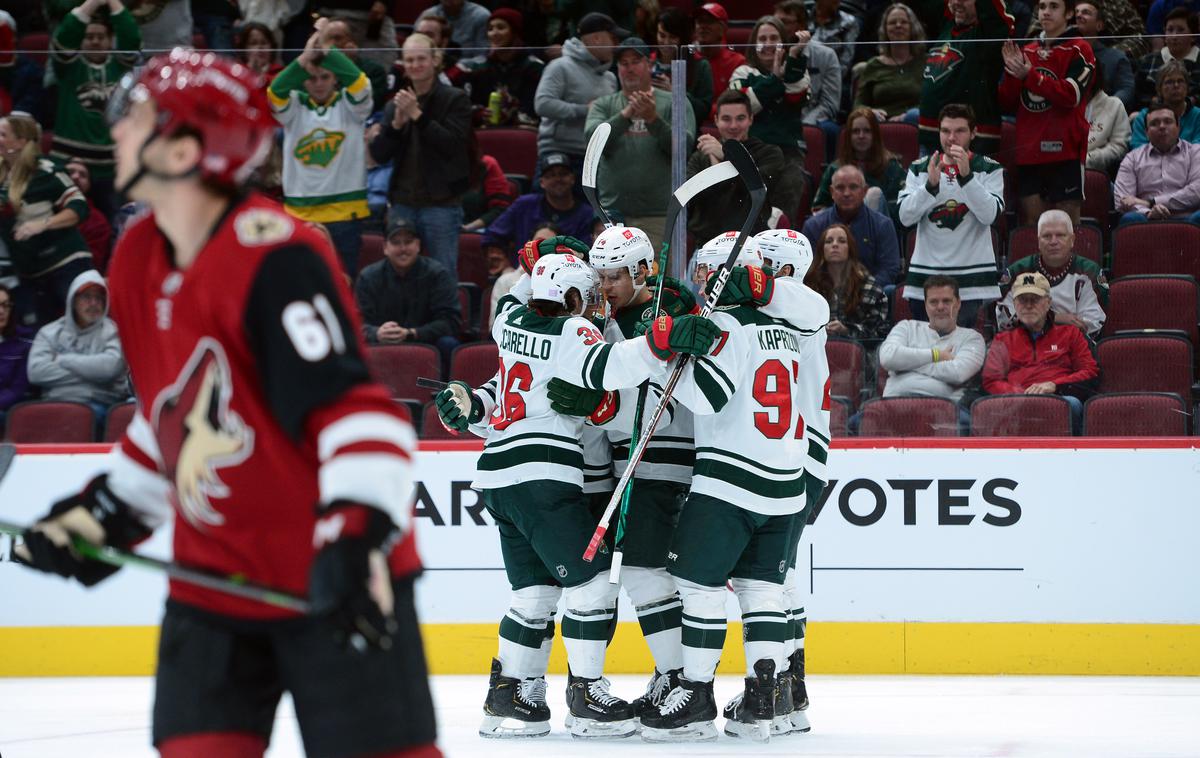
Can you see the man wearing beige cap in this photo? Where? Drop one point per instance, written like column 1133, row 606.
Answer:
column 1039, row 356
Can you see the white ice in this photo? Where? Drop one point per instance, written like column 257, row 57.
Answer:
column 902, row 716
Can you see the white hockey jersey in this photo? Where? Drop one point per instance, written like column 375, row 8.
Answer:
column 749, row 396
column 526, row 440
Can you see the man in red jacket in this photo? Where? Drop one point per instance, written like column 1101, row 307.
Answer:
column 1038, row 356
column 1048, row 83
column 711, row 22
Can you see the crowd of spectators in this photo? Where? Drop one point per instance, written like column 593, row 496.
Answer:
column 380, row 106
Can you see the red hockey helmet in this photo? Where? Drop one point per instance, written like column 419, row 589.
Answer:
column 221, row 100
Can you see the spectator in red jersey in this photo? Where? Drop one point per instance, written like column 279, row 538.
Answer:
column 1039, row 356
column 96, row 230
column 488, row 194
column 1048, row 83
column 711, row 22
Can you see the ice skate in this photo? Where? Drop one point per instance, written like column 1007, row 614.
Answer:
column 594, row 713
column 659, row 686
column 686, row 715
column 781, row 724
column 799, row 693
column 514, row 707
column 749, row 715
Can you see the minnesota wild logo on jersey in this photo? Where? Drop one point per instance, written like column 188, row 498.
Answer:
column 941, row 62
column 949, row 214
column 319, row 147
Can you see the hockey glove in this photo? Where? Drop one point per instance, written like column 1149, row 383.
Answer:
column 349, row 582
column 747, row 285
column 535, row 249
column 96, row 515
column 458, row 407
column 572, row 400
column 683, row 302
column 687, row 334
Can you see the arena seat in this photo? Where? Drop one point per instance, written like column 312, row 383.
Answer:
column 472, row 266
column 900, row 309
column 847, row 372
column 1153, row 302
column 1097, row 198
column 1160, row 247
column 1135, row 414
column 1020, row 416
column 902, row 139
column 372, row 250
column 485, row 310
column 514, row 148
column 1146, row 363
column 119, row 416
column 909, row 417
column 50, row 421
column 839, row 412
column 398, row 366
column 814, row 157
column 432, row 429
column 474, row 362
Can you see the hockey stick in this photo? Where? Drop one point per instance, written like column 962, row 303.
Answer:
column 683, row 195
column 230, row 585
column 591, row 165
column 737, row 154
column 430, row 384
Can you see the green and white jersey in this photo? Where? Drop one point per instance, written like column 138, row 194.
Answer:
column 597, row 460
column 791, row 298
column 526, row 441
column 671, row 452
column 748, row 396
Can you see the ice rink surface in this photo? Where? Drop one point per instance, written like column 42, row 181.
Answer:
column 917, row 716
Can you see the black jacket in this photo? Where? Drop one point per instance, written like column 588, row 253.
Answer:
column 435, row 148
column 425, row 299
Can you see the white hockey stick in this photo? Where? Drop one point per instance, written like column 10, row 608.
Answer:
column 591, row 165
column 737, row 154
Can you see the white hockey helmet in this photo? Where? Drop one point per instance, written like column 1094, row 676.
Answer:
column 716, row 251
column 556, row 275
column 624, row 247
column 781, row 247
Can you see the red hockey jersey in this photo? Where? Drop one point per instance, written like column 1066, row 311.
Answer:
column 254, row 401
column 1051, row 101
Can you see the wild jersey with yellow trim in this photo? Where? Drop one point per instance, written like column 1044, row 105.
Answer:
column 324, row 154
column 749, row 396
column 526, row 440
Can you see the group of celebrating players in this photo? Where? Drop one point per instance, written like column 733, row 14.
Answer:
column 288, row 469
column 720, row 496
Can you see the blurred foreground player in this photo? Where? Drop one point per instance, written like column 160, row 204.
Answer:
column 258, row 422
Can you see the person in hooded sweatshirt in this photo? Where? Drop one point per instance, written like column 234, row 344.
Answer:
column 78, row 357
column 570, row 83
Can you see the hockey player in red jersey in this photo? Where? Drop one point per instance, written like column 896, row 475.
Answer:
column 258, row 422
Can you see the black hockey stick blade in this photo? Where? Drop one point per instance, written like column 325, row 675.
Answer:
column 591, row 166
column 431, row 384
column 230, row 585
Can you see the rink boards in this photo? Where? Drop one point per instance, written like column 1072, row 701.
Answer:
column 1072, row 556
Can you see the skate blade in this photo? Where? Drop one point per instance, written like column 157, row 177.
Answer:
column 590, row 729
column 781, row 725
column 759, row 731
column 501, row 728
column 701, row 731
column 800, row 722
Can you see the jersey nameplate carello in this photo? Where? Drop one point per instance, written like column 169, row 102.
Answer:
column 526, row 345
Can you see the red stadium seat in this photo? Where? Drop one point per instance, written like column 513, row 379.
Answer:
column 1135, row 414
column 398, row 366
column 1158, row 247
column 514, row 148
column 1020, row 416
column 118, row 418
column 50, row 421
column 36, row 45
column 1097, row 198
column 839, row 411
column 1006, row 156
column 475, row 362
column 1153, row 302
column 1149, row 363
column 738, row 37
column 814, row 157
column 901, row 139
column 407, row 11
column 900, row 309
column 847, row 373
column 372, row 250
column 1089, row 243
column 909, row 417
column 472, row 265
column 432, row 429
column 465, row 307
column 485, row 312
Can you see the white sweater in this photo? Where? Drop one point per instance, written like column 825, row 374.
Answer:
column 1109, row 132
column 907, row 354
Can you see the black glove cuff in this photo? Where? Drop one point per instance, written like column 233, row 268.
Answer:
column 374, row 527
column 121, row 526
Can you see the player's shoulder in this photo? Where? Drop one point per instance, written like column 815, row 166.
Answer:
column 257, row 225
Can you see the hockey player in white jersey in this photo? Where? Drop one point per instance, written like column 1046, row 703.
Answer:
column 623, row 258
column 740, row 519
column 789, row 255
column 531, row 476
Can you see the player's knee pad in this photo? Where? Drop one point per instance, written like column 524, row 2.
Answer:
column 593, row 595
column 647, row 586
column 755, row 595
column 701, row 600
column 225, row 744
column 538, row 602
